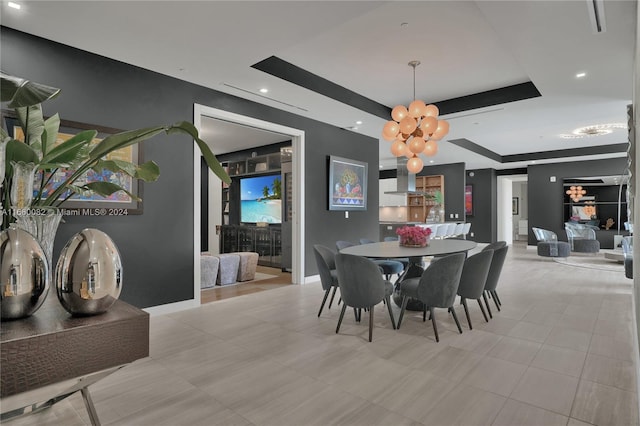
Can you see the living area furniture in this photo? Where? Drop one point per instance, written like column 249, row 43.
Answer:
column 264, row 240
column 582, row 237
column 548, row 244
column 229, row 264
column 52, row 355
column 247, row 265
column 209, row 265
column 627, row 250
column 326, row 263
column 497, row 262
column 473, row 279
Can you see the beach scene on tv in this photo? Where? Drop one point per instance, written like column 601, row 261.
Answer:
column 261, row 199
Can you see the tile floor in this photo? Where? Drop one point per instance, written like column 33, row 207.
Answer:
column 559, row 353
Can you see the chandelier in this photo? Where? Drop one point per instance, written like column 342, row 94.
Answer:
column 575, row 193
column 415, row 130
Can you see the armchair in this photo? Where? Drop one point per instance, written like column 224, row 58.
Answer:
column 548, row 244
column 627, row 250
column 582, row 237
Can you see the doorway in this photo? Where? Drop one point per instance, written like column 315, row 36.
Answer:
column 510, row 205
column 215, row 203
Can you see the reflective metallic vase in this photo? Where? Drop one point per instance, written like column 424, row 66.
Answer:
column 24, row 274
column 89, row 273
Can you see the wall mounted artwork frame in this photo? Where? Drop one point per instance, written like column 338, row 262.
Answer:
column 468, row 200
column 117, row 204
column 347, row 184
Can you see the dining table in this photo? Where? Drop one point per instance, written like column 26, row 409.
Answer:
column 393, row 250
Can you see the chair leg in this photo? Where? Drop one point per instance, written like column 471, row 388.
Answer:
column 435, row 326
column 496, row 299
column 324, row 299
column 424, row 313
column 388, row 302
column 455, row 317
column 344, row 308
column 332, row 296
column 466, row 311
column 371, row 324
column 355, row 314
column 405, row 299
column 486, row 302
column 484, row 314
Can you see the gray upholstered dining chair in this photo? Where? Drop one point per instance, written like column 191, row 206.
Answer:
column 362, row 287
column 496, row 245
column 387, row 267
column 436, row 288
column 473, row 280
column 325, row 260
column 497, row 262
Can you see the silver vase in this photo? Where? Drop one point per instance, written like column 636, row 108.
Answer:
column 88, row 274
column 24, row 274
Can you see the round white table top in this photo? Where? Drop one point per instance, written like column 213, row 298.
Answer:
column 392, row 249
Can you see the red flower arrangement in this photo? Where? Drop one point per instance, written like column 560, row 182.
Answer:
column 416, row 236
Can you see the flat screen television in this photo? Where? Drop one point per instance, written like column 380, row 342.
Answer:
column 261, row 199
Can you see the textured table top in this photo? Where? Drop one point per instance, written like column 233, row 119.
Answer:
column 392, row 249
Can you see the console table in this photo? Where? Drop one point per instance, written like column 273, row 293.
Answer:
column 51, row 354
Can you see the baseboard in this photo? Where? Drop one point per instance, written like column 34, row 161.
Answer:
column 311, row 279
column 170, row 308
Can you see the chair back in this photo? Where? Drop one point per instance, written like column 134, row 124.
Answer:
column 579, row 230
column 366, row 241
column 340, row 244
column 466, row 228
column 391, row 238
column 458, row 231
column 451, row 229
column 544, row 235
column 474, row 275
column 441, row 230
column 497, row 262
column 438, row 285
column 495, row 246
column 361, row 284
column 325, row 261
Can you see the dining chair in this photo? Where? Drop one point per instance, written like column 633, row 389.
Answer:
column 387, row 266
column 473, row 280
column 325, row 260
column 436, row 288
column 340, row 244
column 362, row 287
column 451, row 229
column 391, row 239
column 497, row 262
column 441, row 231
column 457, row 231
column 495, row 246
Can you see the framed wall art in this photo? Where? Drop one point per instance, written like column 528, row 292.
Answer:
column 468, row 200
column 347, row 184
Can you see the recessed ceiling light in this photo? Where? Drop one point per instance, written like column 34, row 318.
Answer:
column 358, row 122
column 533, row 162
column 381, row 166
column 581, row 74
column 594, row 130
column 431, row 161
column 355, row 127
column 14, row 5
column 263, row 90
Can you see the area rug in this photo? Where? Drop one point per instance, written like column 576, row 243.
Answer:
column 590, row 261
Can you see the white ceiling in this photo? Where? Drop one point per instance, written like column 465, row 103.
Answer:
column 465, row 47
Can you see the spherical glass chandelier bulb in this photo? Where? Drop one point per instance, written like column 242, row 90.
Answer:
column 569, row 192
column 416, row 145
column 399, row 112
column 430, row 148
column 441, row 131
column 431, row 111
column 390, row 130
column 414, row 165
column 417, row 109
column 408, row 125
column 398, row 148
column 429, row 125
column 408, row 153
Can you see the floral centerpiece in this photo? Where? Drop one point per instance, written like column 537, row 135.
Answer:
column 413, row 236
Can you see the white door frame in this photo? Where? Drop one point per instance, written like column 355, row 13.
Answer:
column 297, row 140
column 504, row 196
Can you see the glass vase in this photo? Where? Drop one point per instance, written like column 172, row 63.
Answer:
column 22, row 184
column 43, row 224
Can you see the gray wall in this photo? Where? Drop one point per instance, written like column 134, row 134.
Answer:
column 546, row 209
column 484, row 222
column 157, row 246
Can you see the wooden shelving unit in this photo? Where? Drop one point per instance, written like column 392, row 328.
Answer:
column 418, row 206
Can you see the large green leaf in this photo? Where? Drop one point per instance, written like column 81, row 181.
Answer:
column 32, row 124
column 148, row 171
column 21, row 93
column 71, row 149
column 19, row 151
column 51, row 129
column 105, row 189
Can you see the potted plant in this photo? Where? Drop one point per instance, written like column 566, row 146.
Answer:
column 37, row 158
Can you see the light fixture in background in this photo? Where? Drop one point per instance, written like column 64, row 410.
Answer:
column 594, row 130
column 14, row 5
column 575, row 193
column 415, row 130
column 581, row 75
column 264, row 90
